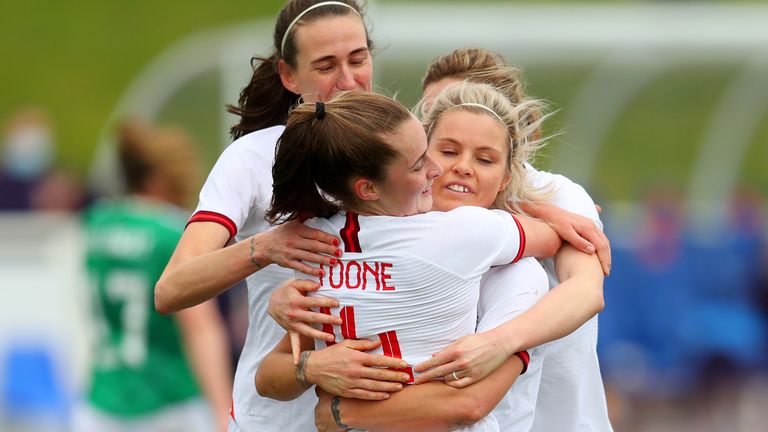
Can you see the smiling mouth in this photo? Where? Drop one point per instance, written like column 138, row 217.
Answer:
column 458, row 188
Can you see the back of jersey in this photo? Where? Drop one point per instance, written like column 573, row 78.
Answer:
column 412, row 282
column 138, row 365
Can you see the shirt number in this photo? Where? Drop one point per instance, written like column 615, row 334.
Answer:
column 389, row 343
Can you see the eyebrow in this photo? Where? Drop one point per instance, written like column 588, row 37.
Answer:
column 481, row 148
column 489, row 148
column 331, row 57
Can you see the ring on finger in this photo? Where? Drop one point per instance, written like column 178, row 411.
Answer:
column 455, row 377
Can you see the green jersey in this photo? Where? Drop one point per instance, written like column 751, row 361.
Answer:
column 139, row 364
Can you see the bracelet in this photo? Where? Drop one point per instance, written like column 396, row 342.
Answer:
column 301, row 368
column 336, row 413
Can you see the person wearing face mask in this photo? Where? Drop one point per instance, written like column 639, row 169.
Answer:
column 28, row 179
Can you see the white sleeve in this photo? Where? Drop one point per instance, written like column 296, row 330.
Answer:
column 240, row 180
column 469, row 240
column 507, row 291
column 566, row 194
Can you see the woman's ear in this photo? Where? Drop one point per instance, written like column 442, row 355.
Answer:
column 287, row 77
column 505, row 181
column 365, row 190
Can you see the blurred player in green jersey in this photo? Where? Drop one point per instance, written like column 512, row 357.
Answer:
column 150, row 372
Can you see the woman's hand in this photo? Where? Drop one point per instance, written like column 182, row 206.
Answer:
column 343, row 369
column 579, row 231
column 290, row 243
column 471, row 358
column 290, row 307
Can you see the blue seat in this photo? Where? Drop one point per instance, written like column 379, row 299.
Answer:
column 32, row 390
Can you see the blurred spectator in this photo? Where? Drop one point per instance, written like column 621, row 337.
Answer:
column 723, row 327
column 150, row 373
column 645, row 297
column 28, row 179
column 684, row 330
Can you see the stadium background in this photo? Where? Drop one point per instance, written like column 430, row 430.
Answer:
column 683, row 309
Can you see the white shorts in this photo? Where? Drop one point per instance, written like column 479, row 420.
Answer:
column 190, row 416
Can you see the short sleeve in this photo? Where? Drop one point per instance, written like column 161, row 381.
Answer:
column 240, row 180
column 490, row 237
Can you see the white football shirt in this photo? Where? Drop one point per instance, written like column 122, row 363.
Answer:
column 412, row 282
column 236, row 195
column 506, row 292
column 571, row 393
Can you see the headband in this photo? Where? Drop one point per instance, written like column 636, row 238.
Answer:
column 472, row 104
column 483, row 107
column 299, row 16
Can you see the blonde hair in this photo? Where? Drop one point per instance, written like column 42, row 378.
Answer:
column 166, row 152
column 523, row 134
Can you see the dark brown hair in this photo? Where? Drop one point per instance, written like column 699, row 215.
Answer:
column 318, row 158
column 264, row 102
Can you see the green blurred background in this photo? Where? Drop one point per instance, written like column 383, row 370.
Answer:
column 75, row 60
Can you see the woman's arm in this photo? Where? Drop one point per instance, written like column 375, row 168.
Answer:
column 276, row 377
column 201, row 267
column 541, row 241
column 342, row 369
column 578, row 230
column 205, row 342
column 566, row 307
column 432, row 406
column 562, row 310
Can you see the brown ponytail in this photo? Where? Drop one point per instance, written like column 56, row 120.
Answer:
column 318, row 157
column 264, row 102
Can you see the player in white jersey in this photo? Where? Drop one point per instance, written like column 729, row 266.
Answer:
column 571, row 396
column 320, row 48
column 410, row 282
